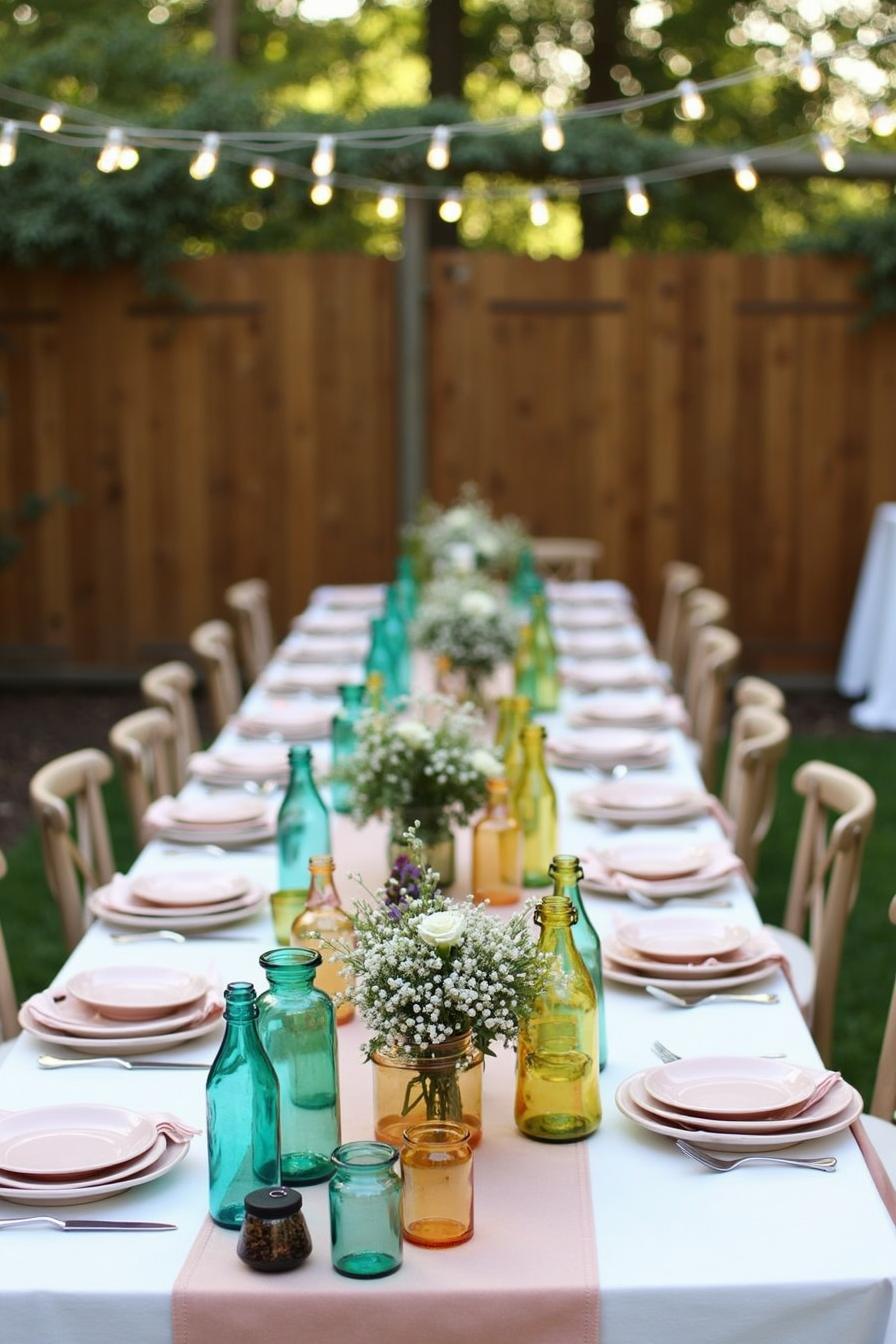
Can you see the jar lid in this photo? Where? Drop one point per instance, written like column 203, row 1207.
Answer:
column 274, row 1201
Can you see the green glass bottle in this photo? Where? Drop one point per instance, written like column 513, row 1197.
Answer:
column 242, row 1105
column 524, row 670
column 512, row 743
column 547, row 678
column 399, row 643
column 380, row 658
column 297, row 1025
column 303, row 823
column 566, row 872
column 535, row 807
column 374, row 690
column 505, row 712
column 344, row 743
column 521, row 584
column 408, row 589
column 557, row 1088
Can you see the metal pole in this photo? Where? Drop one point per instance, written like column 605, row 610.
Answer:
column 412, row 284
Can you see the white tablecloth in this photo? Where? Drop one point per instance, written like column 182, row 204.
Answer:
column 868, row 660
column 761, row 1256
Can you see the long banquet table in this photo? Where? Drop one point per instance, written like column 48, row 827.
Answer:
column 766, row 1255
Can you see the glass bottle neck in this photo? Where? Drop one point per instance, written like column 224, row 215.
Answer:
column 323, row 892
column 297, row 980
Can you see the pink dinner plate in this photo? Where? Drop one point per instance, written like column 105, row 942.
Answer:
column 217, row 811
column 731, row 1086
column 136, row 993
column 119, row 1045
column 682, row 938
column 104, row 904
column 755, row 952
column 619, row 975
column 659, row 862
column 831, row 1104
column 633, row 708
column 60, row 1012
column 354, row 596
column 344, row 622
column 91, row 1194
column 116, row 1173
column 316, row 677
column 189, row 887
column 643, row 795
column 261, row 759
column 72, row 1140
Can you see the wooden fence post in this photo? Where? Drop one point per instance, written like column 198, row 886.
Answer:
column 412, row 341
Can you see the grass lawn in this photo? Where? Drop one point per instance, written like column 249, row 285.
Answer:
column 32, row 932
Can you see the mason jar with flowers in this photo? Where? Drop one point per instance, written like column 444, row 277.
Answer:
column 439, row 984
column 465, row 536
column 471, row 627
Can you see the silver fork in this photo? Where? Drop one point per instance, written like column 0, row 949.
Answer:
column 715, row 1163
column 678, row 1002
column 658, row 903
column 669, row 1056
column 172, row 936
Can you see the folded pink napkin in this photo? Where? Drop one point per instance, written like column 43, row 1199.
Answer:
column 597, row 675
column 178, row 1131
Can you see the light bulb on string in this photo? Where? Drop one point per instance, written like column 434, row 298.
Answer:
column 636, row 199
column 51, row 121
column 109, row 157
column 262, row 175
column 128, row 158
column 883, row 119
column 552, row 137
column 692, row 106
column 387, row 203
column 539, row 211
column 808, row 73
column 451, row 207
column 829, row 154
column 745, row 175
column 438, row 155
column 321, row 192
column 9, row 136
column 324, row 158
column 205, row 160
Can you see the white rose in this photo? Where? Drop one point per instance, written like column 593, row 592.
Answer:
column 415, row 733
column 478, row 604
column 443, row 929
column 486, row 763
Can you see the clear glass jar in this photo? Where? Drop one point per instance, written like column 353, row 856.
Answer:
column 497, row 850
column 365, row 1210
column 445, row 1083
column 434, row 831
column 298, row 1030
column 322, row 922
column 437, row 1198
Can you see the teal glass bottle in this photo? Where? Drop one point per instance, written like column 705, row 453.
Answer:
column 297, row 1026
column 547, row 677
column 566, row 873
column 303, row 823
column 406, row 582
column 242, row 1106
column 399, row 642
column 380, row 659
column 344, row 743
column 526, row 582
column 365, row 1210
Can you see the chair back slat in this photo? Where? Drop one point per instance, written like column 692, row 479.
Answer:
column 249, row 603
column 566, row 558
column 759, row 739
column 213, row 645
column 883, row 1100
column 170, row 686
column 9, row 1009
column 679, row 579
column 144, row 746
column 716, row 653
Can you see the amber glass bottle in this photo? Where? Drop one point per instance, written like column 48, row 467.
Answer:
column 324, row 916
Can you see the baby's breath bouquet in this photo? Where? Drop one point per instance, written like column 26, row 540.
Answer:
column 470, row 624
column 467, row 535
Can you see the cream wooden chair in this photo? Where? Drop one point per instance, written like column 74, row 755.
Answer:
column 9, row 1024
column 86, row 855
column 213, row 645
column 249, row 604
column 679, row 579
column 714, row 659
column 170, row 687
column 824, row 883
column 144, row 746
column 759, row 739
column 702, row 608
column 882, row 1112
column 758, row 691
column 566, row 557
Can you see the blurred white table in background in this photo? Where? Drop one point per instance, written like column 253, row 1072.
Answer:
column 868, row 660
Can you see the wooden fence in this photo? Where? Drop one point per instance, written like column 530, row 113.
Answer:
column 721, row 408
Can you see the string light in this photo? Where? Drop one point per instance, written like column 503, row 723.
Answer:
column 808, row 74
column 110, row 154
column 692, row 104
column 829, row 154
column 451, row 207
column 321, row 192
column 387, row 204
column 539, row 211
column 883, row 119
column 8, row 138
column 205, row 160
column 745, row 175
column 51, row 121
column 636, row 197
column 128, row 158
column 438, row 155
column 324, row 159
column 552, row 137
column 263, row 174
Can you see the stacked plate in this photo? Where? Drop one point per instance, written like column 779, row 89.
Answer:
column 600, row 644
column 588, row 592
column 228, row 821
column 604, row 616
column 235, row 765
column 324, row 649
column 648, row 709
column 124, row 1010
column 597, row 675
column 81, row 1153
column 603, row 748
column 739, row 1103
column 634, row 802
column 313, row 678
column 319, row 621
column 662, row 869
column 288, row 720
column 688, row 954
column 351, row 596
column 192, row 899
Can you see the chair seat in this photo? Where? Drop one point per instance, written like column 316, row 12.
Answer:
column 802, row 966
column 883, row 1136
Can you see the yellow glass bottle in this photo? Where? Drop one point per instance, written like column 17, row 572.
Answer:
column 325, row 916
column 557, row 1088
column 547, row 678
column 505, row 713
column 374, row 687
column 535, row 807
column 524, row 664
column 512, row 743
column 497, row 850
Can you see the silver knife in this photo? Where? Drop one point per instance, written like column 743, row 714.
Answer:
column 89, row 1224
column 51, row 1062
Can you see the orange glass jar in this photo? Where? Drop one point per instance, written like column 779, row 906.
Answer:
column 437, row 1197
column 444, row 1084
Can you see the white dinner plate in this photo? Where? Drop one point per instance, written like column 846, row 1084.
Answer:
column 135, row 993
column 72, row 1139
column 173, row 1154
column 137, row 1045
column 731, row 1086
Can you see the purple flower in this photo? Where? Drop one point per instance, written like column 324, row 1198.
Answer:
column 402, row 886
